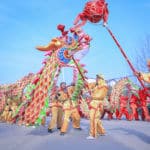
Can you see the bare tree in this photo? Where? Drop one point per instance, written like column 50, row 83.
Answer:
column 143, row 54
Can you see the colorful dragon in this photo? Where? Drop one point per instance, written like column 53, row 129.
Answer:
column 60, row 53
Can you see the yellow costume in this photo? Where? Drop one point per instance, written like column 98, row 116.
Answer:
column 145, row 77
column 13, row 108
column 70, row 110
column 6, row 115
column 98, row 94
column 57, row 114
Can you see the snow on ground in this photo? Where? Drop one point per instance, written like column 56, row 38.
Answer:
column 121, row 135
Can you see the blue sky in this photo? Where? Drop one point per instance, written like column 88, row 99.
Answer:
column 25, row 24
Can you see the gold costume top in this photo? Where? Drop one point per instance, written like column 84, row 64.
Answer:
column 91, row 85
column 70, row 92
column 100, row 90
column 65, row 96
column 98, row 93
column 145, row 77
column 56, row 101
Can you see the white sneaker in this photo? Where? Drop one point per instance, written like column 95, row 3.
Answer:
column 90, row 138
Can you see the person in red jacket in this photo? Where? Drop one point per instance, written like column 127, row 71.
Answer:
column 123, row 108
column 134, row 106
column 143, row 94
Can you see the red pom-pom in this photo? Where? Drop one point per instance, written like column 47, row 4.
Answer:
column 64, row 33
column 61, row 27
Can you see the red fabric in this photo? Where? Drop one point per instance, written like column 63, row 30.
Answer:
column 123, row 101
column 64, row 33
column 142, row 94
column 134, row 105
column 123, row 108
column 143, row 97
column 94, row 11
column 61, row 27
column 134, row 111
column 124, row 111
column 145, row 114
column 117, row 113
column 134, row 99
column 123, row 98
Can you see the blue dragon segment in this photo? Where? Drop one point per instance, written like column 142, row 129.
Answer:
column 62, row 56
column 63, row 53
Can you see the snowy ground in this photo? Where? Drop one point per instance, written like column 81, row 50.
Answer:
column 121, row 135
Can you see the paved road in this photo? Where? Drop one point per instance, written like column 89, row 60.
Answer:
column 121, row 135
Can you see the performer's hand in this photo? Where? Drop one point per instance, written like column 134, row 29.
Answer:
column 105, row 24
column 137, row 74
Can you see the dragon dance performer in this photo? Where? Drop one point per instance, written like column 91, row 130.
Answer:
column 133, row 101
column 145, row 76
column 70, row 108
column 123, row 107
column 143, row 101
column 98, row 93
column 57, row 112
column 134, row 105
column 144, row 93
column 6, row 114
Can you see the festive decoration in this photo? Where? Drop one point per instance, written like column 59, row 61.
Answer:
column 2, row 101
column 64, row 51
column 60, row 52
column 118, row 89
column 12, row 96
column 94, row 11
